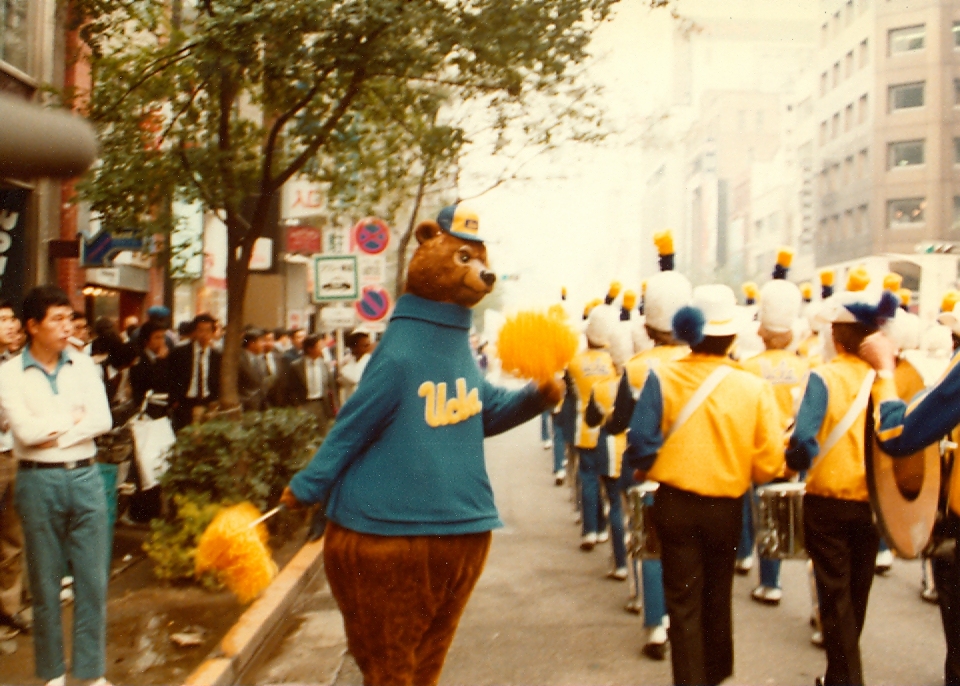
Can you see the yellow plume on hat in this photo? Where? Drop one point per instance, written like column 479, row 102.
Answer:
column 858, row 278
column 643, row 287
column 785, row 257
column 892, row 282
column 629, row 300
column 827, row 277
column 614, row 291
column 905, row 296
column 588, row 308
column 750, row 290
column 664, row 242
column 806, row 290
column 563, row 292
column 950, row 298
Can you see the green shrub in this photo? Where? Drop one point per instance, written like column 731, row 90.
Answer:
column 172, row 544
column 223, row 462
column 251, row 459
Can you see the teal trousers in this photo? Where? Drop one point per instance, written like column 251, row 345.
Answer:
column 64, row 517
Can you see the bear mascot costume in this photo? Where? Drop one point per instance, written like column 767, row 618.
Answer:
column 402, row 473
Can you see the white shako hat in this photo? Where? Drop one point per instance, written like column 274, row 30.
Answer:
column 904, row 330
column 600, row 325
column 713, row 312
column 780, row 302
column 666, row 293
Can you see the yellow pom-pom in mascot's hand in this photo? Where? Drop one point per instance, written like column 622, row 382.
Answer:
column 402, row 472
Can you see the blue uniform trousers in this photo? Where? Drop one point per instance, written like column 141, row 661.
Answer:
column 64, row 517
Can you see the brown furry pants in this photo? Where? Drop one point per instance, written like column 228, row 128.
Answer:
column 401, row 598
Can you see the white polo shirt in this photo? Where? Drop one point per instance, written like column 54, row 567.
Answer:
column 36, row 403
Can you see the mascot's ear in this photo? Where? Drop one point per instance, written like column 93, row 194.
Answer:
column 426, row 230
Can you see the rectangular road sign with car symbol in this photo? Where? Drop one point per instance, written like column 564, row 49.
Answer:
column 335, row 278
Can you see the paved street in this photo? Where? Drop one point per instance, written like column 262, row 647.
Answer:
column 543, row 613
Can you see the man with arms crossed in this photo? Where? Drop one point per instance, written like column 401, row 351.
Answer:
column 55, row 403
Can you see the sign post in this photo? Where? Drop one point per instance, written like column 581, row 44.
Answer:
column 335, row 278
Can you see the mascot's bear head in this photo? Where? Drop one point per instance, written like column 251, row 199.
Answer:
column 450, row 264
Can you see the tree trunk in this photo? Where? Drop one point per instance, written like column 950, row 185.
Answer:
column 237, row 273
column 401, row 281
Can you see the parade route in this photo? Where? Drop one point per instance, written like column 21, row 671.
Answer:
column 543, row 613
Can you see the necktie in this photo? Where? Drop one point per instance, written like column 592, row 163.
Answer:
column 200, row 385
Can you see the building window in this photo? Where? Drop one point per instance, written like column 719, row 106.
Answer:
column 956, row 150
column 904, row 154
column 956, row 92
column 906, row 213
column 862, row 114
column 862, row 166
column 955, row 224
column 848, row 65
column 848, row 117
column 849, row 12
column 836, row 74
column 835, row 126
column 848, row 170
column 906, row 95
column 863, row 221
column 824, row 33
column 864, row 53
column 907, row 39
column 956, row 34
column 823, row 132
column 824, row 83
column 13, row 32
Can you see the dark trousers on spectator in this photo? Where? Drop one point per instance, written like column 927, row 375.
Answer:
column 183, row 413
column 946, row 573
column 698, row 537
column 842, row 542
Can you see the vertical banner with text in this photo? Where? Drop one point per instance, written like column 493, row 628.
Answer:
column 13, row 253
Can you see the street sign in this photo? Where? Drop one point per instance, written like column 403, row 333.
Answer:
column 371, row 235
column 374, row 304
column 336, row 241
column 335, row 278
column 373, row 269
column 103, row 248
column 338, row 317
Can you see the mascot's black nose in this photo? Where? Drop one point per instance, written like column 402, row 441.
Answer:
column 488, row 277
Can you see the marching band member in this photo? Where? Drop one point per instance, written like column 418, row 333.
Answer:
column 779, row 310
column 664, row 294
column 828, row 442
column 704, row 430
column 587, row 368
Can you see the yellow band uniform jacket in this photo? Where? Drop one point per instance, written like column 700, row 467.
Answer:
column 734, row 437
column 586, row 369
column 829, row 395
column 787, row 373
column 631, row 383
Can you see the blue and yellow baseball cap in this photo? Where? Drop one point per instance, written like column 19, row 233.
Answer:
column 460, row 221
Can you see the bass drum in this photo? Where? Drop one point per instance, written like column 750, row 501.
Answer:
column 644, row 541
column 904, row 492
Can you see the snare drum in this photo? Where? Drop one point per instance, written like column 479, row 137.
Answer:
column 779, row 521
column 644, row 542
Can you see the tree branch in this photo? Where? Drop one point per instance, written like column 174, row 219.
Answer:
column 148, row 73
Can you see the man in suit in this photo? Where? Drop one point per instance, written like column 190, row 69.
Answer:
column 308, row 382
column 194, row 373
column 252, row 379
column 274, row 363
column 152, row 372
column 297, row 339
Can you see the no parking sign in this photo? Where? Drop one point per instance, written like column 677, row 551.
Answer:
column 371, row 235
column 374, row 303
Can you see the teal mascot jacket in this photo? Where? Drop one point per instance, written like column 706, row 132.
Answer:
column 405, row 456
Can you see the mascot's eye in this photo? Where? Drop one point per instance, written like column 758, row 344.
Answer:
column 463, row 257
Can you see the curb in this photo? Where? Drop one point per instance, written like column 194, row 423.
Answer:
column 243, row 642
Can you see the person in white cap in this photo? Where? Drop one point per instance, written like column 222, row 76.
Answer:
column 828, row 442
column 779, row 310
column 589, row 367
column 664, row 294
column 704, row 430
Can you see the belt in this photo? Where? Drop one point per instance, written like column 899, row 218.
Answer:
column 73, row 464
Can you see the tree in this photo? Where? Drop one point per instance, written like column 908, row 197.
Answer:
column 225, row 100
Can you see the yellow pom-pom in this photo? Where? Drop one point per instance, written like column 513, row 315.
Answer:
column 643, row 286
column 905, row 296
column 629, row 300
column 614, row 290
column 827, row 277
column 664, row 242
column 750, row 290
column 806, row 290
column 950, row 298
column 858, row 278
column 536, row 345
column 563, row 293
column 785, row 257
column 237, row 551
column 892, row 282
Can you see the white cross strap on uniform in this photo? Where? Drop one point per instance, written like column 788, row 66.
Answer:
column 858, row 406
column 698, row 398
